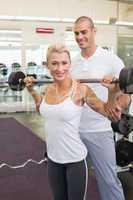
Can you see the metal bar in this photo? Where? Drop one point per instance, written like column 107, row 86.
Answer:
column 40, row 82
column 48, row 81
column 45, row 81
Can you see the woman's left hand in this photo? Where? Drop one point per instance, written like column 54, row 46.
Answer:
column 107, row 82
column 114, row 112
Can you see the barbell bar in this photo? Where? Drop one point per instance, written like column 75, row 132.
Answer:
column 125, row 81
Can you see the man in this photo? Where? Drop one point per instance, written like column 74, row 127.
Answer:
column 95, row 130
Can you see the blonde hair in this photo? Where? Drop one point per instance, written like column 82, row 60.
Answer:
column 57, row 48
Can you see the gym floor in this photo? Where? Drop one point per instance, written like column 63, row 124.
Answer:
column 34, row 121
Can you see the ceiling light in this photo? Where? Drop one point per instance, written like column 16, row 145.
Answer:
column 104, row 22
column 68, row 20
column 124, row 23
column 46, row 19
column 5, row 31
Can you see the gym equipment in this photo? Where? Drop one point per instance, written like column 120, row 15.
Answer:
column 124, row 152
column 4, row 71
column 16, row 82
column 125, row 81
column 124, row 126
column 131, row 168
column 15, row 65
column 31, row 64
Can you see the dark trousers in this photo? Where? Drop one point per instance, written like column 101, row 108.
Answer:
column 68, row 181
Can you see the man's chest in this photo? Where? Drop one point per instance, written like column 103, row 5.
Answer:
column 91, row 69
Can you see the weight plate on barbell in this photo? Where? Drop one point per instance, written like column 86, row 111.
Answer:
column 126, row 80
column 15, row 81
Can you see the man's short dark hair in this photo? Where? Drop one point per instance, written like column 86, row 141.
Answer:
column 85, row 18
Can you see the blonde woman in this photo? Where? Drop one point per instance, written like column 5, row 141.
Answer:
column 61, row 106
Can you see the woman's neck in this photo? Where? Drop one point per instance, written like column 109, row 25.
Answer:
column 63, row 85
column 63, row 89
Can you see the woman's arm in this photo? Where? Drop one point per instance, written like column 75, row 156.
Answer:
column 115, row 94
column 108, row 109
column 36, row 96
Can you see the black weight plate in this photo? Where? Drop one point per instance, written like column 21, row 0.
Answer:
column 15, row 81
column 124, row 152
column 126, row 80
column 122, row 79
column 126, row 124
column 129, row 81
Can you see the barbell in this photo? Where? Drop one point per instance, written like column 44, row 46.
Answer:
column 125, row 81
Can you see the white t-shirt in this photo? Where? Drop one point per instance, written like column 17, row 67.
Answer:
column 101, row 63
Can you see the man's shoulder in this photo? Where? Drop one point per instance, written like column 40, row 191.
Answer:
column 110, row 55
column 105, row 52
column 113, row 61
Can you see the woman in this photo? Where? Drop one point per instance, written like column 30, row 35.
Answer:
column 61, row 107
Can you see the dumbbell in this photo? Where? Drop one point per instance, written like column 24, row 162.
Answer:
column 125, row 81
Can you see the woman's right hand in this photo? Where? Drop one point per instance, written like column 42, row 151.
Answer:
column 114, row 112
column 29, row 82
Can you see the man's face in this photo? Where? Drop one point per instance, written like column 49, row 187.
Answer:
column 84, row 34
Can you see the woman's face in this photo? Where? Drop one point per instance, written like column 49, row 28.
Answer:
column 59, row 65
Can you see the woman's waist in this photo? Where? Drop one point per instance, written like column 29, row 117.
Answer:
column 66, row 150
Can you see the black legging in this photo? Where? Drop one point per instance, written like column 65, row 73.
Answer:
column 68, row 181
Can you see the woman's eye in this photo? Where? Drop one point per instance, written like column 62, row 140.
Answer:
column 64, row 63
column 54, row 63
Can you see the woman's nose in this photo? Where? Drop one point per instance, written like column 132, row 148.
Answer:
column 60, row 67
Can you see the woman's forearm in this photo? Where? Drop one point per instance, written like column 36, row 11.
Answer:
column 108, row 109
column 36, row 96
